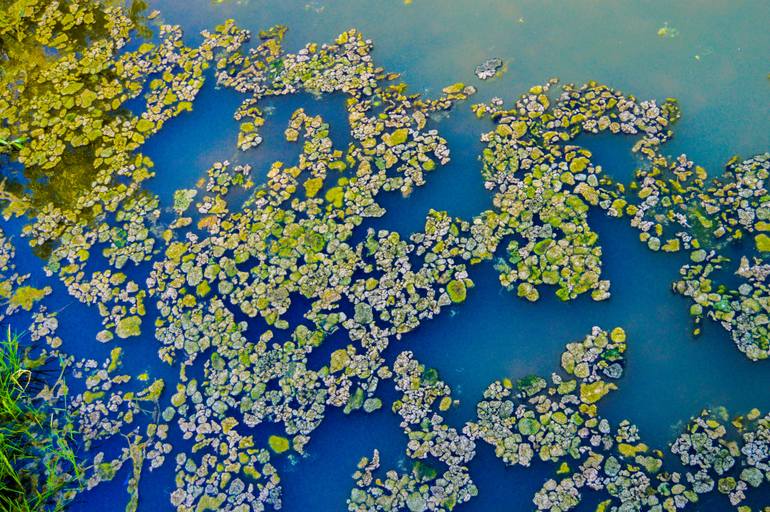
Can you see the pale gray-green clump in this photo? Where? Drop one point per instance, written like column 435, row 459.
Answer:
column 547, row 186
column 488, row 68
column 544, row 187
column 183, row 198
column 558, row 423
column 424, row 488
column 290, row 238
column 128, row 327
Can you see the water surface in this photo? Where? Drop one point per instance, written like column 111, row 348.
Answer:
column 716, row 65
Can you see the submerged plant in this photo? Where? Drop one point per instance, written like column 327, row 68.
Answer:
column 37, row 461
column 6, row 146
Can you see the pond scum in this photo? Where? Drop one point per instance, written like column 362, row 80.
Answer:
column 75, row 174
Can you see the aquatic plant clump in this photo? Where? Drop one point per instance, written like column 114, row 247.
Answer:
column 488, row 69
column 558, row 422
column 547, row 186
column 708, row 219
column 245, row 279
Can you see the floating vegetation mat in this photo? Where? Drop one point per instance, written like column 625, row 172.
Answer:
column 218, row 276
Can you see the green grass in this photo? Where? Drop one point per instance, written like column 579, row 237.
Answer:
column 37, row 463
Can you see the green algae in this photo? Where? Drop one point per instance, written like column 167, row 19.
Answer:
column 209, row 503
column 456, row 290
column 26, row 296
column 278, row 444
column 762, row 242
column 282, row 245
column 128, row 327
column 588, row 453
column 592, row 393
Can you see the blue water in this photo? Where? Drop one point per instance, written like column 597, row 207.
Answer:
column 725, row 98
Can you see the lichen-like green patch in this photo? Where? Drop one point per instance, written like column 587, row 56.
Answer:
column 278, row 444
column 128, row 327
column 456, row 290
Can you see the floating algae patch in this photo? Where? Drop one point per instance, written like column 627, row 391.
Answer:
column 669, row 201
column 240, row 293
column 489, row 68
column 559, row 424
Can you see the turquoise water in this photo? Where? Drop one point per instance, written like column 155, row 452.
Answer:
column 716, row 65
